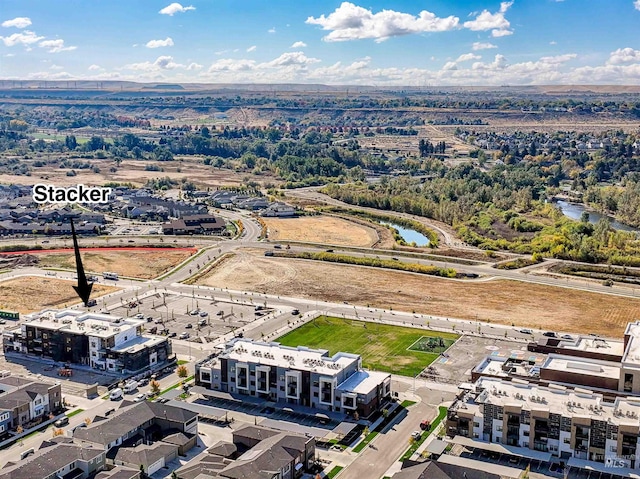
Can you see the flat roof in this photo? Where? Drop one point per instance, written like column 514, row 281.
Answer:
column 576, row 402
column 582, row 366
column 363, row 382
column 500, row 448
column 613, row 347
column 138, row 343
column 300, row 358
column 632, row 352
column 82, row 322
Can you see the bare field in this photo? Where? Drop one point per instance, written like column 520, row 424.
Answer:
column 321, row 229
column 33, row 293
column 134, row 264
column 500, row 301
column 131, row 171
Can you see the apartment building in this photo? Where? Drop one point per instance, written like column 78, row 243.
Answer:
column 102, row 341
column 576, row 426
column 301, row 376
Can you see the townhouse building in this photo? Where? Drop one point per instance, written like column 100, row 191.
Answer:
column 24, row 402
column 301, row 376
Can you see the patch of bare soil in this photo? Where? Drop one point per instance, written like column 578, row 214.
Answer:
column 33, row 293
column 321, row 229
column 133, row 264
column 500, row 301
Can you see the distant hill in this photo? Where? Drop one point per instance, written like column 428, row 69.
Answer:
column 203, row 88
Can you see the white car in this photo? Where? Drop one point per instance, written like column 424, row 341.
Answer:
column 140, row 397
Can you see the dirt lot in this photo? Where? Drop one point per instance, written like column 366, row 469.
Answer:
column 33, row 293
column 321, row 229
column 500, row 301
column 134, row 264
column 131, row 171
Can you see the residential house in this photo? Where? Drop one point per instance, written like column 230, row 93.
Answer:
column 280, row 210
column 24, row 402
column 57, row 460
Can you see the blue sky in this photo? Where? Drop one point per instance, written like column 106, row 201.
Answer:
column 380, row 42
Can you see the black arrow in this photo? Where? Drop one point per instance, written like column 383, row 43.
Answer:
column 84, row 287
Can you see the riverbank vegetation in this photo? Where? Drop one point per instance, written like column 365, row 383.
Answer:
column 505, row 207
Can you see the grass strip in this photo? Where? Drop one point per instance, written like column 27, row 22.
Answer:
column 334, row 472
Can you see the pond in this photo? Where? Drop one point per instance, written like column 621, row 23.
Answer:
column 409, row 235
column 574, row 211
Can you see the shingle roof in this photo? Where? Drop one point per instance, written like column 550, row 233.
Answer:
column 129, row 417
column 47, row 461
column 144, row 454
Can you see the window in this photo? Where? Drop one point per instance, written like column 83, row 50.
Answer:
column 476, row 424
column 525, row 444
column 613, row 448
column 567, row 440
column 498, row 438
column 499, row 428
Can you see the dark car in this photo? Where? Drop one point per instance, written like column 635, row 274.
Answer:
column 63, row 421
column 550, row 334
column 189, row 326
column 295, row 312
column 173, row 335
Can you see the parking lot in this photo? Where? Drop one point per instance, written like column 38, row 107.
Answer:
column 189, row 317
column 539, row 467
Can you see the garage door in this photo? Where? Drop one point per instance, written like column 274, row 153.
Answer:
column 156, row 466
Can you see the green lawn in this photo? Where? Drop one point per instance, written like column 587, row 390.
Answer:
column 383, row 347
column 334, row 472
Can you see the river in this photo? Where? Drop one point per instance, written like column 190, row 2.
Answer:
column 409, row 235
column 574, row 211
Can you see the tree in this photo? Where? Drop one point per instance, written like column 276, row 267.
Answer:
column 57, row 432
column 365, row 431
column 182, row 371
column 71, row 142
column 155, row 386
column 87, row 420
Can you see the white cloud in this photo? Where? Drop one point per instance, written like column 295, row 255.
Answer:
column 174, row 8
column 56, row 67
column 553, row 42
column 25, row 38
column 194, row 66
column 483, row 46
column 351, row 22
column 637, row 4
column 467, row 56
column 291, row 59
column 303, row 44
column 94, row 67
column 55, row 46
column 232, row 65
column 558, row 59
column 167, row 42
column 496, row 22
column 272, row 30
column 500, row 32
column 18, row 22
column 450, row 66
column 164, row 62
column 9, row 55
column 252, row 48
column 624, row 55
